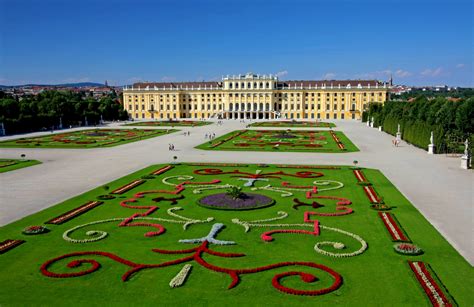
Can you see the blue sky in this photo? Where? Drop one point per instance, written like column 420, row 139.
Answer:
column 419, row 42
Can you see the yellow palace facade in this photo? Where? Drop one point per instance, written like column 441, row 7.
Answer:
column 253, row 96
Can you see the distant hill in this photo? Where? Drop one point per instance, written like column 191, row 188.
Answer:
column 80, row 84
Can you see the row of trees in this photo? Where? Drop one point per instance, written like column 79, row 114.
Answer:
column 451, row 121
column 47, row 109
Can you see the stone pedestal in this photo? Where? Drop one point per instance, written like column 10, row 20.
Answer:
column 465, row 162
column 431, row 149
column 399, row 137
column 380, row 128
column 368, row 123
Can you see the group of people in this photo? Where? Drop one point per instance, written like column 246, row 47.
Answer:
column 396, row 142
column 220, row 122
column 186, row 133
column 171, row 147
column 210, row 136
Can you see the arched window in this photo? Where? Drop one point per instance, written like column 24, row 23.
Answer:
column 260, row 107
column 267, row 85
column 267, row 106
column 231, row 106
column 249, row 85
column 236, row 85
column 248, row 106
column 255, row 85
column 242, row 85
column 230, row 84
column 254, row 106
column 242, row 106
column 261, row 85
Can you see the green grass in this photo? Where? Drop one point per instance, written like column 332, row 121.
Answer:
column 172, row 123
column 293, row 124
column 279, row 141
column 7, row 165
column 86, row 138
column 377, row 276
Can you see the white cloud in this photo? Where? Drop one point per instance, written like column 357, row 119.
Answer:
column 75, row 80
column 460, row 65
column 168, row 79
column 379, row 74
column 432, row 72
column 400, row 73
column 134, row 79
column 329, row 76
column 282, row 73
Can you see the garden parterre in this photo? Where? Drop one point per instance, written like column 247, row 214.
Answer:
column 86, row 138
column 328, row 141
column 320, row 242
column 293, row 124
column 172, row 123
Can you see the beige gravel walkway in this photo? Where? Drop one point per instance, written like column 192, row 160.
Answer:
column 434, row 184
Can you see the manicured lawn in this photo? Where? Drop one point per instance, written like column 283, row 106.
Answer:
column 172, row 123
column 7, row 165
column 313, row 208
column 87, row 138
column 293, row 124
column 282, row 141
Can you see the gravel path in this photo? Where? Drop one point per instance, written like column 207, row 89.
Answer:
column 435, row 184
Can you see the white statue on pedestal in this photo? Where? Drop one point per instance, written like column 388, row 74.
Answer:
column 466, row 158
column 431, row 146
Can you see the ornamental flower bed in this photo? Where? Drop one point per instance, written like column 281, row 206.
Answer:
column 75, row 212
column 435, row 292
column 162, row 170
column 127, row 187
column 248, row 201
column 407, row 249
column 35, row 230
column 7, row 245
column 393, row 227
column 372, row 195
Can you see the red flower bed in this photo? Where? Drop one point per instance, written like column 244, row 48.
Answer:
column 216, row 171
column 341, row 206
column 393, row 227
column 197, row 256
column 162, row 170
column 127, row 187
column 371, row 194
column 75, row 212
column 434, row 292
column 7, row 245
column 360, row 176
column 267, row 236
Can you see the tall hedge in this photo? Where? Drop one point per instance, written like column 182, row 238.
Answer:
column 418, row 118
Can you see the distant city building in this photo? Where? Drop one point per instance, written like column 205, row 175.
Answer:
column 253, row 96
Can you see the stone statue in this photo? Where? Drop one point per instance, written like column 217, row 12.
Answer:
column 466, row 148
column 431, row 138
column 398, row 131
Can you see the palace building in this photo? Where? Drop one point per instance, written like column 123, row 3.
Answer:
column 253, row 96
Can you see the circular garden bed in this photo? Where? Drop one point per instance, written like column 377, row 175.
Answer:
column 247, row 201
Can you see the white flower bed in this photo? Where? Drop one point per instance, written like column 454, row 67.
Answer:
column 180, row 278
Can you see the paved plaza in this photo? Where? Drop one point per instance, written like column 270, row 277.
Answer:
column 435, row 184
